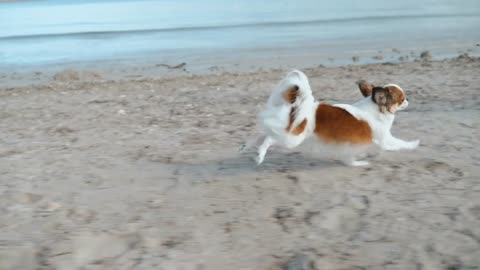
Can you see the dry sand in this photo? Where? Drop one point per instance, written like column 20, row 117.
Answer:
column 145, row 174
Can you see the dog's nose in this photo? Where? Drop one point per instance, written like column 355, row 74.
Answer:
column 407, row 99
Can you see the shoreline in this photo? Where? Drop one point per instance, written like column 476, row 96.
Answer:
column 243, row 62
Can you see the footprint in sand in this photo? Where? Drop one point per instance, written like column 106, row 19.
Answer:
column 442, row 168
column 81, row 215
column 475, row 211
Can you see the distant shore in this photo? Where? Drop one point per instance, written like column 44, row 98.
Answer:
column 7, row 1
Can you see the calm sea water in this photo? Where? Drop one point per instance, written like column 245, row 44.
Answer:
column 56, row 31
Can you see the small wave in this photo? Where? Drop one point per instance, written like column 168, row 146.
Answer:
column 231, row 26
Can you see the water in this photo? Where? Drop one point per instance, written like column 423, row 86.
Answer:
column 53, row 32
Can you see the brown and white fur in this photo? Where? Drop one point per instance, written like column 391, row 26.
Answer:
column 291, row 116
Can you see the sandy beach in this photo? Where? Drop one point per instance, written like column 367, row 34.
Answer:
column 144, row 173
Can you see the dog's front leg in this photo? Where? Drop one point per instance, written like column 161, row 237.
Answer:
column 390, row 143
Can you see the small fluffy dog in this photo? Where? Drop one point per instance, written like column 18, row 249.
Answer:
column 292, row 115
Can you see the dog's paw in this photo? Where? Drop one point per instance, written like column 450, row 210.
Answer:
column 259, row 159
column 359, row 163
column 413, row 144
column 242, row 148
column 388, row 147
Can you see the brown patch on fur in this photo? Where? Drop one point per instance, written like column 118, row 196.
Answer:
column 365, row 88
column 397, row 94
column 387, row 97
column 336, row 125
column 290, row 95
column 300, row 128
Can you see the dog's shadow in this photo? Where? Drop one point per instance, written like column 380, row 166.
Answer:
column 243, row 164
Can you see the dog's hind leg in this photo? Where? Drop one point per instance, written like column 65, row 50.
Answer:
column 356, row 163
column 262, row 150
column 349, row 153
column 252, row 142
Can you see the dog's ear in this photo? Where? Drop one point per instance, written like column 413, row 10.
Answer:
column 365, row 87
column 383, row 97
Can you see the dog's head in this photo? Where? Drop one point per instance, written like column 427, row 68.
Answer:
column 389, row 98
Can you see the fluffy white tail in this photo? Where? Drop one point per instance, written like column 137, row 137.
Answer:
column 294, row 81
column 288, row 115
